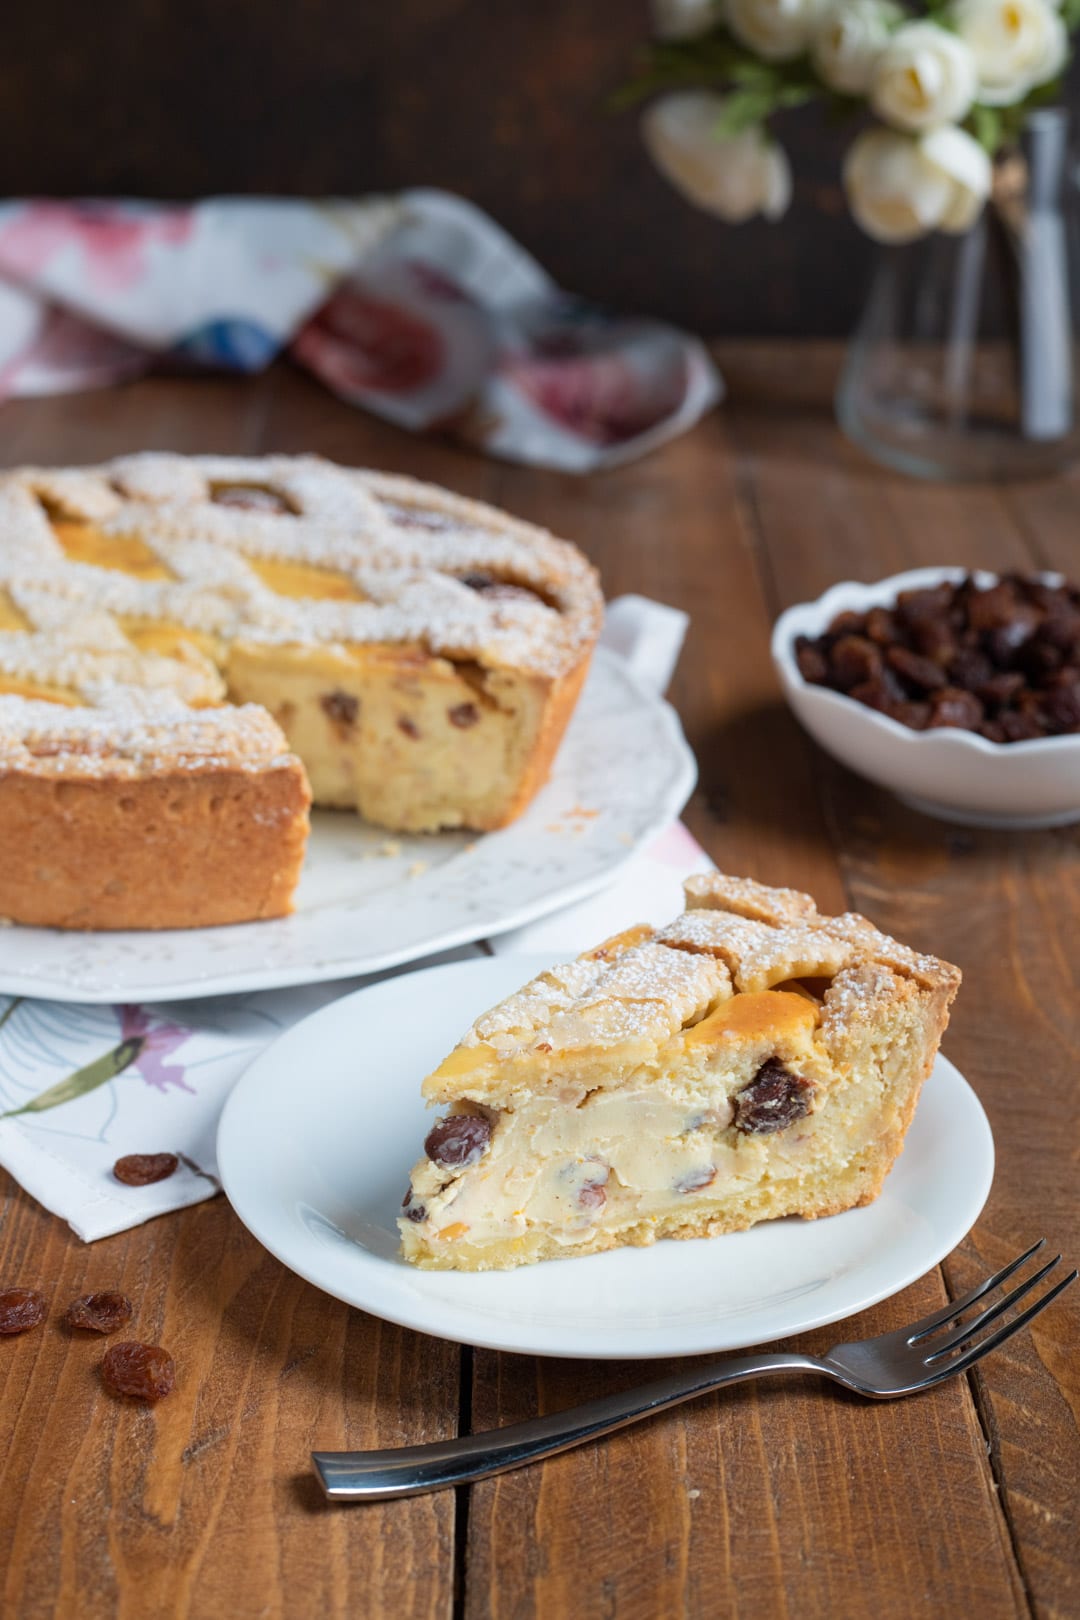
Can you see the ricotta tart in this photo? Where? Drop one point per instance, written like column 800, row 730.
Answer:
column 406, row 653
column 752, row 1060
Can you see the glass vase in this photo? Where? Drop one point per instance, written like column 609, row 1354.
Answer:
column 963, row 364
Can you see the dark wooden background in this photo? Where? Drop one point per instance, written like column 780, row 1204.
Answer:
column 501, row 100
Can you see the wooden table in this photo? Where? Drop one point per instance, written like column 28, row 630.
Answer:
column 778, row 1499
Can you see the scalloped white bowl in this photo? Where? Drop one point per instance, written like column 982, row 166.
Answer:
column 955, row 775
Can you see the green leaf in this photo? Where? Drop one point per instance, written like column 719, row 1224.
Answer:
column 985, row 124
column 742, row 110
column 87, row 1079
column 16, row 1001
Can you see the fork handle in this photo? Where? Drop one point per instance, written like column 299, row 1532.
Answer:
column 410, row 1470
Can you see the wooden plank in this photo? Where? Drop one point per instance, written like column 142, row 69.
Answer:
column 766, row 1501
column 1002, row 905
column 206, row 1505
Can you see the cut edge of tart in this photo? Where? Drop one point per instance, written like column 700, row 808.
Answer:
column 754, row 1059
column 144, row 813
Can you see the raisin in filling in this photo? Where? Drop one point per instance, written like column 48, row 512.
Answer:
column 774, row 1099
column 457, row 1142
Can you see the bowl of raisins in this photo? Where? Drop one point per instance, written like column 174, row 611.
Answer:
column 958, row 691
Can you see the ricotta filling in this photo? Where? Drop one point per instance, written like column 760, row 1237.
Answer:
column 571, row 1161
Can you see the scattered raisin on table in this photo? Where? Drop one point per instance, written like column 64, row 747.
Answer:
column 140, row 1169
column 773, row 1100
column 99, row 1313
column 458, row 1141
column 145, row 1372
column 21, row 1309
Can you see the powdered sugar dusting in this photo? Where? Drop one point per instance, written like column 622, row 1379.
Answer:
column 654, row 989
column 759, row 954
column 141, row 733
column 409, row 572
column 413, row 558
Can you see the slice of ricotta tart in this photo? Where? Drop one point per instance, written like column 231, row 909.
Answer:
column 754, row 1059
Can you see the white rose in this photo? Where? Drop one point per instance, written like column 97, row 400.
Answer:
column 684, row 19
column 849, row 41
column 775, row 29
column 1016, row 44
column 924, row 77
column 735, row 176
column 901, row 186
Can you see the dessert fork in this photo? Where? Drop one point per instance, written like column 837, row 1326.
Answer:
column 901, row 1363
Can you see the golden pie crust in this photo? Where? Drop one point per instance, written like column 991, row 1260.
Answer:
column 192, row 648
column 752, row 1060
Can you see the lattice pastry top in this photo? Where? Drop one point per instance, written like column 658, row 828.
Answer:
column 283, row 550
column 640, row 989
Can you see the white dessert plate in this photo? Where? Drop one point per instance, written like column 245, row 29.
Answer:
column 318, row 1138
column 370, row 900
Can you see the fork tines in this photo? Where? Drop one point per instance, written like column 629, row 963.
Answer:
column 958, row 1349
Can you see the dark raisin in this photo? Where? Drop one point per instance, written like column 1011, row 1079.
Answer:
column 413, row 1212
column 1062, row 705
column 854, row 659
column 1038, row 658
column 970, row 668
column 811, row 661
column 463, row 715
column 881, row 626
column 409, row 727
column 934, row 638
column 341, row 708
column 458, row 1141
column 592, row 1194
column 250, row 498
column 995, row 606
column 1061, row 627
column 1001, row 688
column 1005, row 640
column 883, row 694
column 919, row 672
column 847, row 623
column 914, row 715
column 774, row 1099
column 952, row 706
column 1021, row 727
column 917, row 607
column 21, row 1309
column 99, row 1313
column 477, row 580
column 696, row 1180
column 999, row 660
column 141, row 1169
column 146, row 1372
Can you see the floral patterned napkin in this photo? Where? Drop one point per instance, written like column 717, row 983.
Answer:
column 81, row 1086
column 418, row 308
